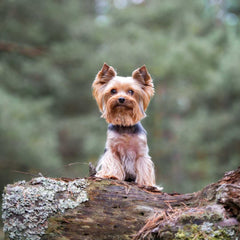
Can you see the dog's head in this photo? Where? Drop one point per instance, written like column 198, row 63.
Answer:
column 123, row 100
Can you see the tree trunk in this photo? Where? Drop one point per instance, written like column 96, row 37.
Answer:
column 93, row 208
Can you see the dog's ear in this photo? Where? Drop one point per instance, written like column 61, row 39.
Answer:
column 142, row 76
column 105, row 74
column 103, row 77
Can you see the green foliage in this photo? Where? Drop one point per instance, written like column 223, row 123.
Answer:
column 48, row 116
column 27, row 136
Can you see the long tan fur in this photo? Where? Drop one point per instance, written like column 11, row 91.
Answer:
column 127, row 154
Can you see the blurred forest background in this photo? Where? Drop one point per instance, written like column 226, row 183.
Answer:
column 50, row 52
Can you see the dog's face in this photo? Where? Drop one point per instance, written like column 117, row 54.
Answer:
column 123, row 100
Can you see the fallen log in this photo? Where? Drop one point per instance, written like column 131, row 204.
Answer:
column 93, row 208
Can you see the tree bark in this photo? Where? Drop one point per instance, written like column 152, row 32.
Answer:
column 93, row 208
column 27, row 51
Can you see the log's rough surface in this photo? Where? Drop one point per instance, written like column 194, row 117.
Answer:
column 93, row 208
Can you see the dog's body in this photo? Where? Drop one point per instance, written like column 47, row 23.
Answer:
column 123, row 101
column 126, row 155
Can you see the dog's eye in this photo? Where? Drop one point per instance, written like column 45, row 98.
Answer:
column 113, row 91
column 131, row 92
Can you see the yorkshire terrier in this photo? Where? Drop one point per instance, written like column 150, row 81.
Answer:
column 123, row 102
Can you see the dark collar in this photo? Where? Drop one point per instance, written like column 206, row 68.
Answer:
column 134, row 129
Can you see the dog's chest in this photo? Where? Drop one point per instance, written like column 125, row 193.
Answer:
column 127, row 146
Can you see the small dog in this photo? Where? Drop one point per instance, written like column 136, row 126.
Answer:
column 123, row 102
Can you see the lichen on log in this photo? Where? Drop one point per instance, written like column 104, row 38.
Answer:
column 95, row 208
column 27, row 206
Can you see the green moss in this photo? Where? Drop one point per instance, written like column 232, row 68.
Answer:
column 207, row 231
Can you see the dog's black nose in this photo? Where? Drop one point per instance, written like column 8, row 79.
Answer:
column 121, row 100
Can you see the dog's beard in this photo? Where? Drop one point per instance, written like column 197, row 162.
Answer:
column 125, row 114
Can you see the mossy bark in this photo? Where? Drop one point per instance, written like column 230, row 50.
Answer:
column 121, row 210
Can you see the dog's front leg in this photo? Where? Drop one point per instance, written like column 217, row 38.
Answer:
column 109, row 166
column 145, row 171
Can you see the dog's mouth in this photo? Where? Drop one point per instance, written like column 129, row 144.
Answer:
column 122, row 112
column 119, row 105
